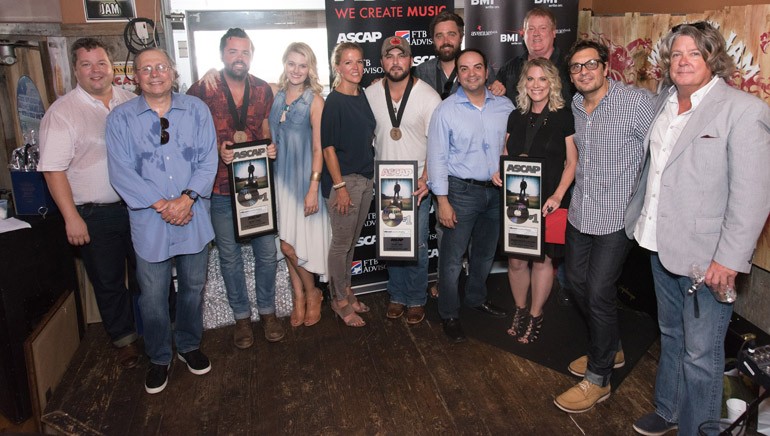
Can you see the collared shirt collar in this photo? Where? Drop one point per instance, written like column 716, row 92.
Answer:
column 578, row 97
column 142, row 106
column 696, row 96
column 93, row 100
column 462, row 97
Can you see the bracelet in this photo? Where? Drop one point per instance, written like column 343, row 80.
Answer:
column 339, row 185
column 315, row 176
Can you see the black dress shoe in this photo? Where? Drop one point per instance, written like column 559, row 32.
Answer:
column 453, row 330
column 490, row 309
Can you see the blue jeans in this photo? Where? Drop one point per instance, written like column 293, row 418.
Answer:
column 231, row 262
column 593, row 265
column 105, row 259
column 346, row 229
column 155, row 279
column 477, row 209
column 688, row 387
column 407, row 281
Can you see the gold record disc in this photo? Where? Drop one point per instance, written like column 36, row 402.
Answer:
column 395, row 133
column 240, row 136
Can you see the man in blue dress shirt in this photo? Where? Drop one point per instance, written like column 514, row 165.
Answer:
column 162, row 159
column 465, row 140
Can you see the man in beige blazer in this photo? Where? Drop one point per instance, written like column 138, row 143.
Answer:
column 701, row 201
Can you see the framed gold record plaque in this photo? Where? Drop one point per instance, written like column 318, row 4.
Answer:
column 252, row 192
column 395, row 181
column 523, row 228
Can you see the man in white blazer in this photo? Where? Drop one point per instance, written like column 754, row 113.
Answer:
column 701, row 201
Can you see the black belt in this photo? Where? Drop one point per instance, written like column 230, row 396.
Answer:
column 487, row 184
column 117, row 203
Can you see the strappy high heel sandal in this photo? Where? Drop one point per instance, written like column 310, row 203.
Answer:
column 532, row 332
column 520, row 317
column 358, row 306
column 347, row 313
column 313, row 312
column 297, row 317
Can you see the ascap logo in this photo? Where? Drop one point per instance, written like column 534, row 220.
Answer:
column 417, row 60
column 523, row 168
column 248, row 153
column 359, row 37
column 396, row 172
column 366, row 240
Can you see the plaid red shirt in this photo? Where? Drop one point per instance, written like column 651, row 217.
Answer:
column 260, row 102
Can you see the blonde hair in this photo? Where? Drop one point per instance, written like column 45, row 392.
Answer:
column 311, row 81
column 710, row 44
column 555, row 100
column 337, row 56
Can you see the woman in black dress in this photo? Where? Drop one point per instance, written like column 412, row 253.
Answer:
column 542, row 127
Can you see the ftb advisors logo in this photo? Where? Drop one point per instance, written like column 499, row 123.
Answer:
column 357, row 267
column 415, row 37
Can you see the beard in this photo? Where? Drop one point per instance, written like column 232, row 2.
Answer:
column 446, row 57
column 237, row 74
column 396, row 76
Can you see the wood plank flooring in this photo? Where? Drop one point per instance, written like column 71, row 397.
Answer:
column 329, row 379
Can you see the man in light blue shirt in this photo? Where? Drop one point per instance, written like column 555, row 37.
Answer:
column 162, row 159
column 465, row 140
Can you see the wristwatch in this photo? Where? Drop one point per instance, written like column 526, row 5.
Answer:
column 192, row 194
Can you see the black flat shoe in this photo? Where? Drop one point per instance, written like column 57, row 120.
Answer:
column 490, row 309
column 453, row 330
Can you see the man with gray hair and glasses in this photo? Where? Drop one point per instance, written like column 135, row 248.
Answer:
column 162, row 159
column 700, row 203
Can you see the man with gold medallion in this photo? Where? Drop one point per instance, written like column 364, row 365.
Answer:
column 240, row 105
column 402, row 106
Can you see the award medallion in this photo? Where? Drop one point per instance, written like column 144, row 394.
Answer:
column 395, row 133
column 240, row 136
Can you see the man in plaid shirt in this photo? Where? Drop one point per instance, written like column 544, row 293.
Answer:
column 611, row 121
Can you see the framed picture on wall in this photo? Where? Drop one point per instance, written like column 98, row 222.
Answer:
column 522, row 226
column 396, row 209
column 252, row 192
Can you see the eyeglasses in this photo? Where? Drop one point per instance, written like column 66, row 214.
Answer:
column 590, row 66
column 698, row 25
column 163, row 133
column 160, row 69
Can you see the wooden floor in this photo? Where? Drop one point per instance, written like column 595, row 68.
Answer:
column 385, row 378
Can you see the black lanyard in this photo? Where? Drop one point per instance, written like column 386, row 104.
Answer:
column 395, row 117
column 449, row 82
column 240, row 119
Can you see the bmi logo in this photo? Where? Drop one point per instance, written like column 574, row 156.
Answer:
column 406, row 34
column 357, row 267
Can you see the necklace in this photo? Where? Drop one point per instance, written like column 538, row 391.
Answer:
column 533, row 118
column 283, row 113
